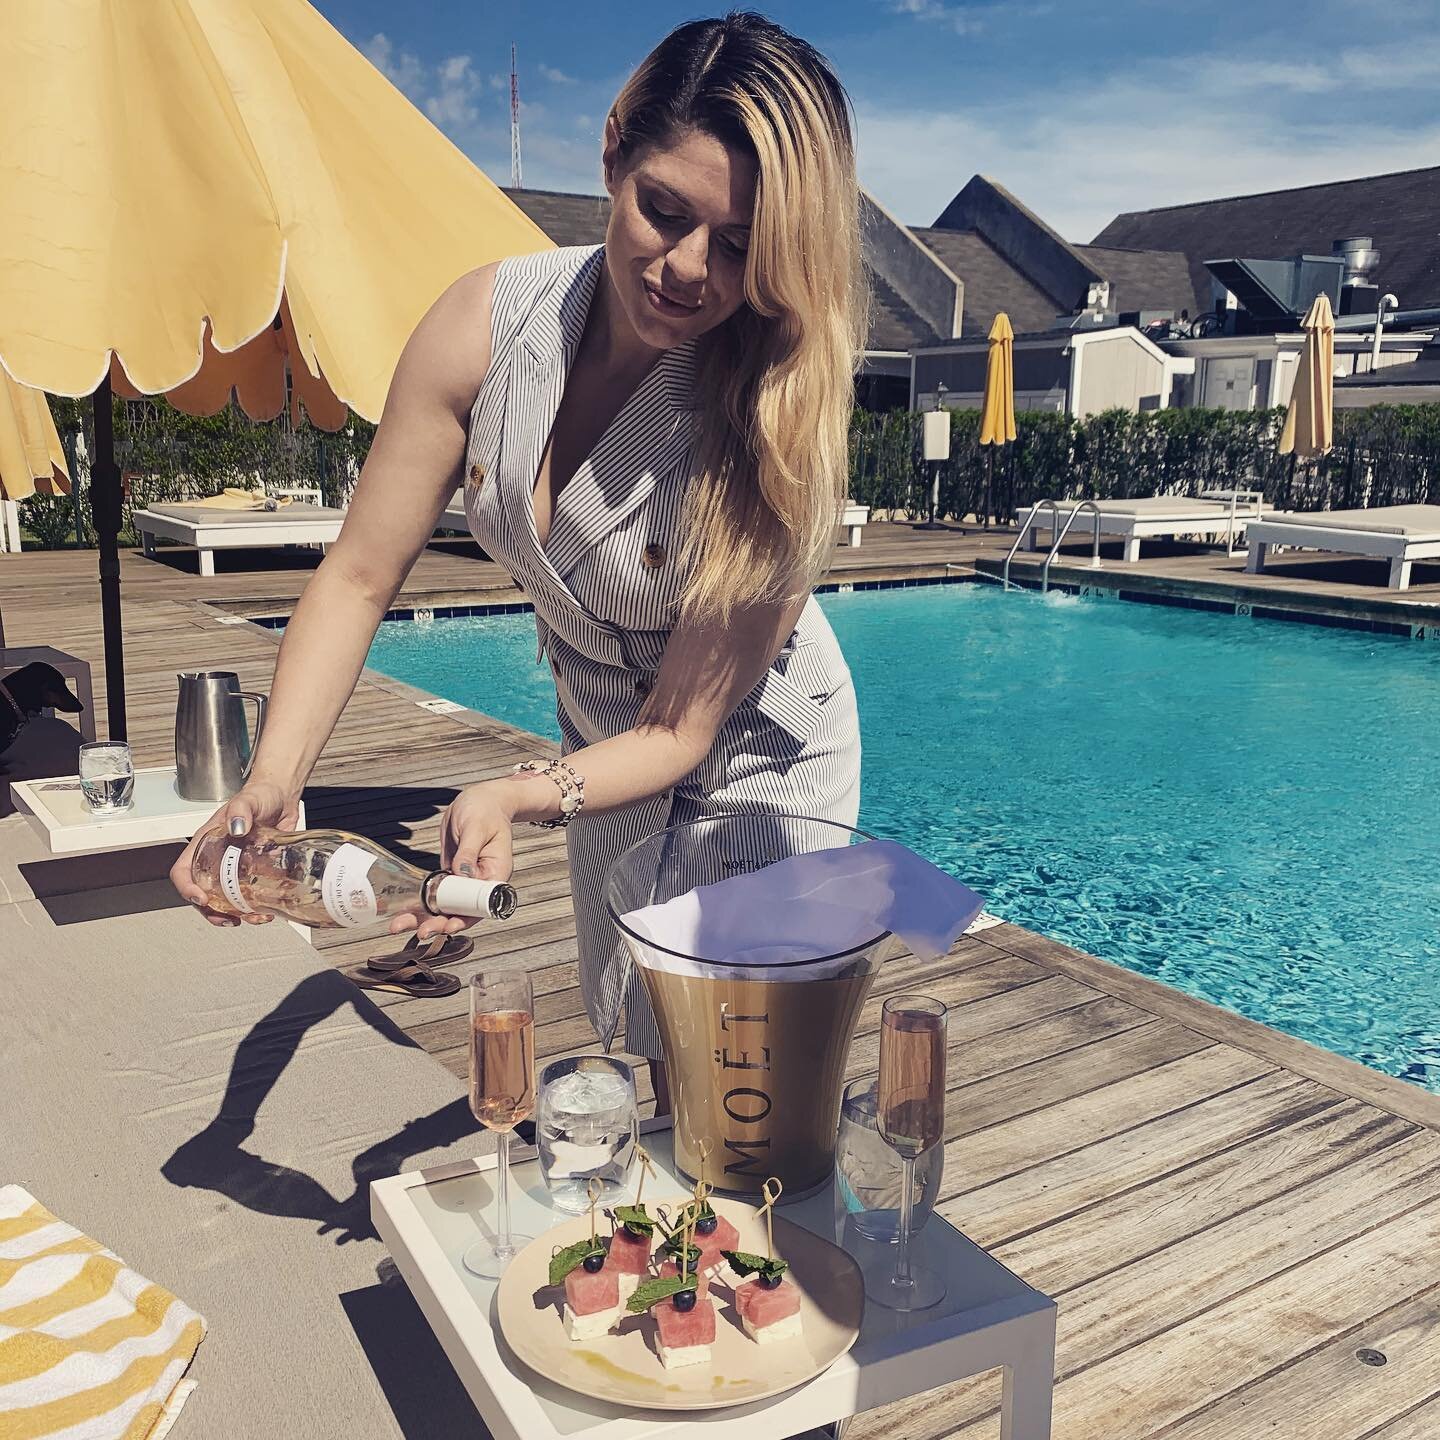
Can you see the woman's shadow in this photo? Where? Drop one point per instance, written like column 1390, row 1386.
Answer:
column 216, row 1159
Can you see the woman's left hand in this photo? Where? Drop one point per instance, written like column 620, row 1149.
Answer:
column 476, row 838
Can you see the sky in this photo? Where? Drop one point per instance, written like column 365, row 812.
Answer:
column 1083, row 109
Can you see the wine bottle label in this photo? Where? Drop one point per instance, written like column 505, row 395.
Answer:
column 230, row 878
column 345, row 887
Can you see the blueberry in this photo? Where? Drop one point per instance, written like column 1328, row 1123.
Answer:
column 685, row 1300
column 594, row 1263
column 771, row 1282
column 707, row 1225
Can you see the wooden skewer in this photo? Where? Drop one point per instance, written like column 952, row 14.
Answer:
column 645, row 1164
column 771, row 1190
column 692, row 1213
column 593, row 1191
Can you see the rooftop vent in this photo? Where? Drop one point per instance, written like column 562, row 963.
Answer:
column 1358, row 292
column 1279, row 292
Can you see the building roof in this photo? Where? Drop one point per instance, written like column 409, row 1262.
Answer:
column 1400, row 212
column 991, row 282
column 1143, row 279
column 1139, row 280
column 570, row 219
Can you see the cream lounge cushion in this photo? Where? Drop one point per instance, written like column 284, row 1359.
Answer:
column 289, row 515
column 1414, row 522
column 1160, row 507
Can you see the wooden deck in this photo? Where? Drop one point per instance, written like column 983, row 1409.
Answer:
column 1227, row 1216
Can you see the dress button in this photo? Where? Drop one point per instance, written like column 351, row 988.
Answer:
column 654, row 556
column 642, row 685
column 477, row 474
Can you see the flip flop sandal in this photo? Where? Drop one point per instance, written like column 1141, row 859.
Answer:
column 413, row 979
column 437, row 950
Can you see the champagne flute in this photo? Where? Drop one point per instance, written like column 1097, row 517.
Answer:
column 910, row 1115
column 502, row 1093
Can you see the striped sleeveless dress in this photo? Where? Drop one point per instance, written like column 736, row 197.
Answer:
column 606, row 587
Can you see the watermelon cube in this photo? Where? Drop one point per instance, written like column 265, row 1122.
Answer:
column 592, row 1303
column 629, row 1258
column 724, row 1237
column 769, row 1315
column 685, row 1337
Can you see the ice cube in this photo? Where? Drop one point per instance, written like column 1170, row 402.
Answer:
column 585, row 1092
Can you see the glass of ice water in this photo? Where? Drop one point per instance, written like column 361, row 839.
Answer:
column 586, row 1125
column 107, row 777
column 869, row 1175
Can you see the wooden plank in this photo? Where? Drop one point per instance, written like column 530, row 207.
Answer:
column 1383, row 1091
column 1049, row 1190
column 1333, row 1385
column 1269, row 1325
column 1140, row 1222
column 1072, row 1124
column 1422, row 1423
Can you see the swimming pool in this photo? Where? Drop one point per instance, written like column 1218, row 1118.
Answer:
column 1247, row 810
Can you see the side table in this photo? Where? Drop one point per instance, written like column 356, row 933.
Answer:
column 990, row 1318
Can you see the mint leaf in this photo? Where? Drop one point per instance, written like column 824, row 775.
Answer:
column 744, row 1263
column 672, row 1247
column 635, row 1217
column 564, row 1261
column 652, row 1292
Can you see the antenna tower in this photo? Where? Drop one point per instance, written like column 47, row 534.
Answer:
column 515, row 180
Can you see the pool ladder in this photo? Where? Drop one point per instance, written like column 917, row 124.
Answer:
column 1060, row 532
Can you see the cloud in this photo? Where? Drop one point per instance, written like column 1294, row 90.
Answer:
column 452, row 105
column 1114, row 143
column 962, row 19
column 401, row 68
column 554, row 76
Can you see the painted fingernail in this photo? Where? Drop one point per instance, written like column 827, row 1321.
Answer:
column 237, row 825
column 467, row 870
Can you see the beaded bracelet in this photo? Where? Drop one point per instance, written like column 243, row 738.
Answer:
column 571, row 785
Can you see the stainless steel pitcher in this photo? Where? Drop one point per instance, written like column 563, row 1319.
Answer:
column 213, row 744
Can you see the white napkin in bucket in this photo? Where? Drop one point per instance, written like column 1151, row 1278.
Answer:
column 805, row 908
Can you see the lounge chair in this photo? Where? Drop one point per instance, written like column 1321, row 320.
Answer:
column 1400, row 534
column 852, row 517
column 1218, row 513
column 210, row 530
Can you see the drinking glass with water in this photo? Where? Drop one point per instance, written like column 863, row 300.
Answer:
column 586, row 1127
column 107, row 777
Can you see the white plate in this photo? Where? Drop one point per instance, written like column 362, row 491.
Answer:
column 623, row 1366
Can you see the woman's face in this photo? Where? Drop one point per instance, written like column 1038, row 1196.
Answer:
column 679, row 229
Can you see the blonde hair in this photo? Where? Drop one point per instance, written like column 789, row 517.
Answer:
column 771, row 447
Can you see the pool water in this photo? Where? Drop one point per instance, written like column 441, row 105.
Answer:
column 1247, row 810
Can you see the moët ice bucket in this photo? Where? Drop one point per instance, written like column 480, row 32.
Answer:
column 756, row 1057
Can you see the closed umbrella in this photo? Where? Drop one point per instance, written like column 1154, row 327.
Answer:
column 1309, row 422
column 997, row 408
column 31, row 456
column 214, row 197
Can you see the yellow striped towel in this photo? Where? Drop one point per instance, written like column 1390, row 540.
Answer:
column 88, row 1350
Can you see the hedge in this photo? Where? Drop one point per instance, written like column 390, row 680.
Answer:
column 1384, row 455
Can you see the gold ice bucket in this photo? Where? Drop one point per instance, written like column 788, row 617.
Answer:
column 756, row 1043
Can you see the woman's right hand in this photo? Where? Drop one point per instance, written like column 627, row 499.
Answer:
column 259, row 803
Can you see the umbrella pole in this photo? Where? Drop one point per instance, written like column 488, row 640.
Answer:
column 105, row 515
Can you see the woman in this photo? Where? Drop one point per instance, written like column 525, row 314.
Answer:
column 651, row 436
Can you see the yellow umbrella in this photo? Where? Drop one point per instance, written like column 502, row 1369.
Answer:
column 997, row 410
column 202, row 190
column 1309, row 422
column 31, row 455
